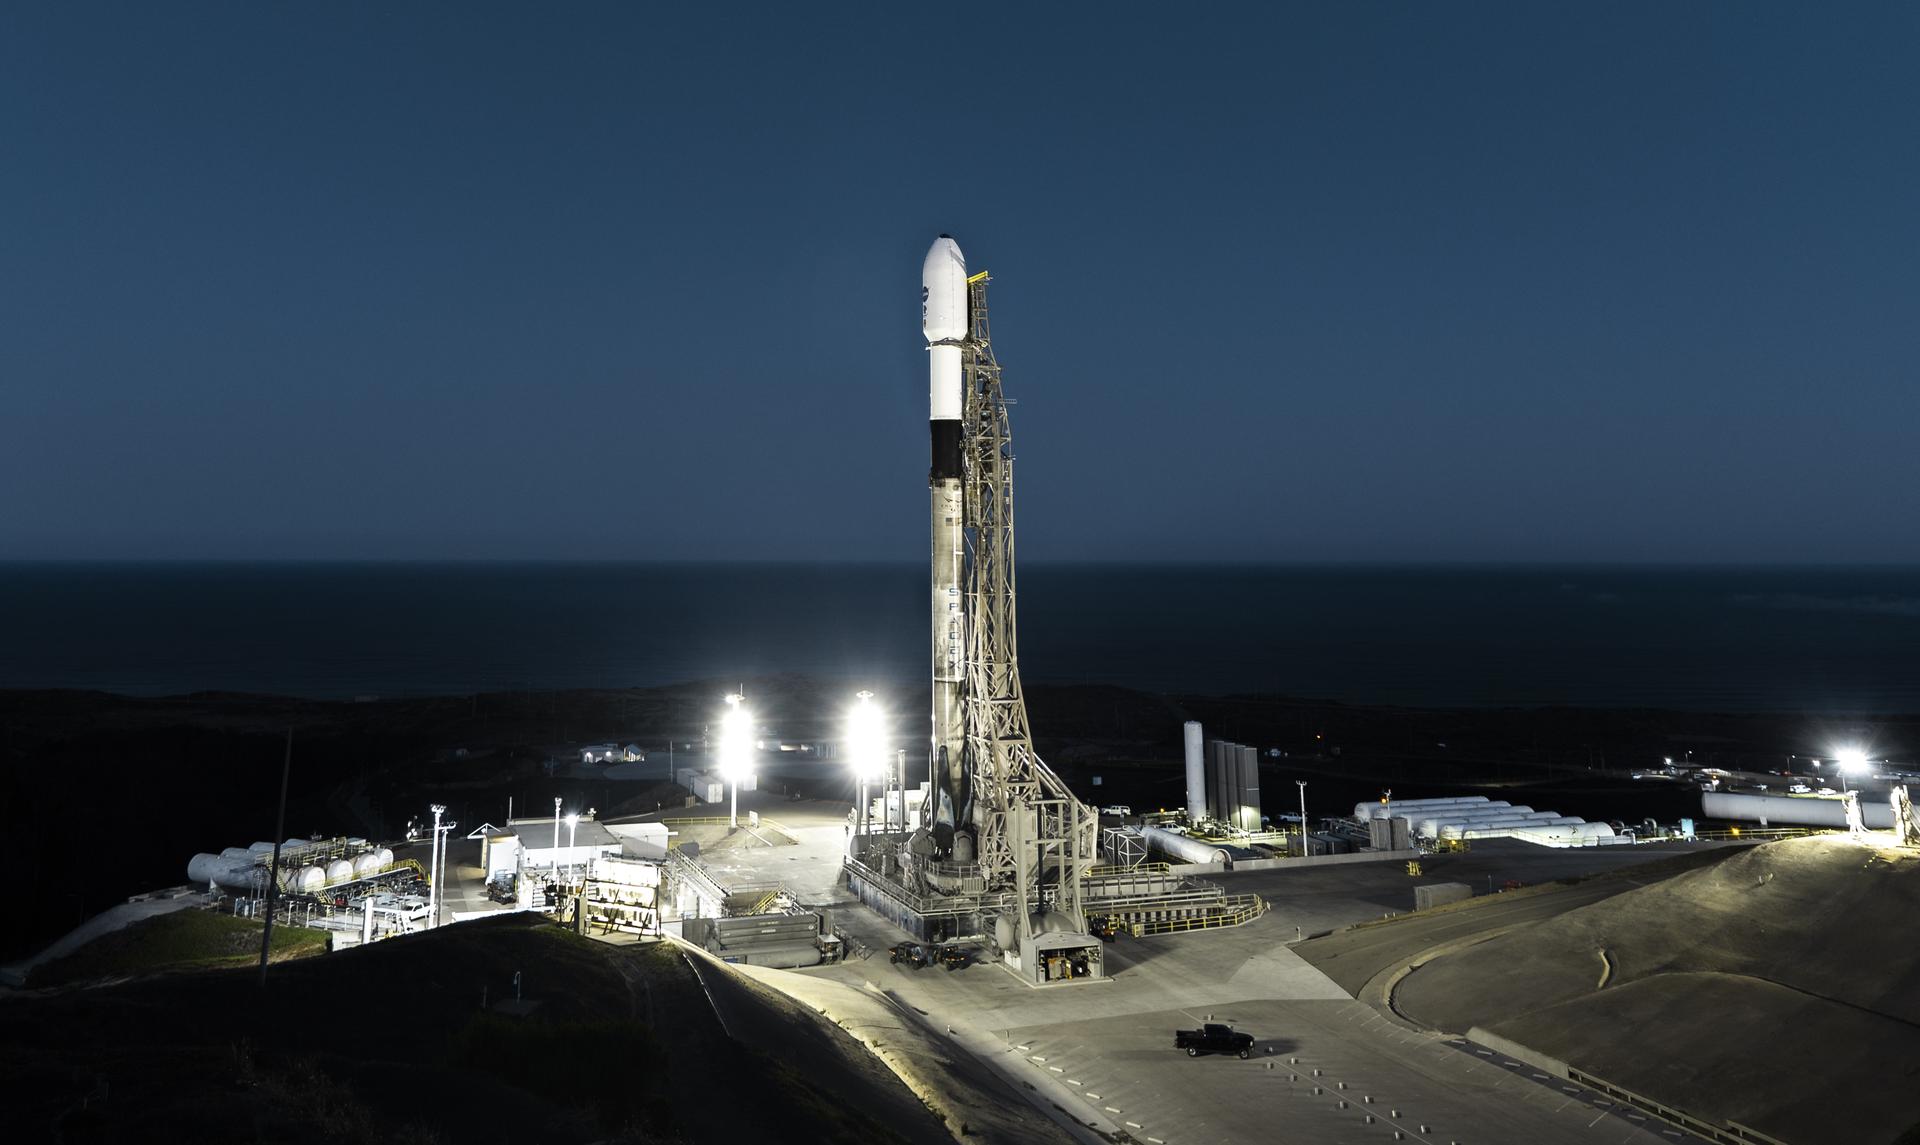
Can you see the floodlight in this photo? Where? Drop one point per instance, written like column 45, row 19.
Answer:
column 1851, row 761
column 864, row 738
column 736, row 734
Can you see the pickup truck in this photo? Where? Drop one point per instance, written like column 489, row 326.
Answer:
column 1213, row 1039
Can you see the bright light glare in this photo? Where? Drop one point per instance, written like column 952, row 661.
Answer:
column 864, row 738
column 736, row 737
column 1852, row 761
column 573, row 820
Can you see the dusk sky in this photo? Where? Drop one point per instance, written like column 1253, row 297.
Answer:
column 1518, row 282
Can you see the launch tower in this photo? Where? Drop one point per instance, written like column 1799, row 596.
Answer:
column 1001, row 847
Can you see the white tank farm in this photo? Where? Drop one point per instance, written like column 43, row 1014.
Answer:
column 1374, row 809
column 1454, row 813
column 1428, row 826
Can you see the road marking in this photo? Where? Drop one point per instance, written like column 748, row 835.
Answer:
column 1092, row 1096
column 1056, row 1069
column 1109, row 1109
column 1134, row 1125
column 1597, row 1120
column 1035, row 1058
column 1070, row 1081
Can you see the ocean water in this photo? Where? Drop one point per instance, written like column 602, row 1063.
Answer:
column 1830, row 640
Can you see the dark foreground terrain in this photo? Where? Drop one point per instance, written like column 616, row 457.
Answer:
column 392, row 1043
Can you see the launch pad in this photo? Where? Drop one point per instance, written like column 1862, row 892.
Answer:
column 999, row 849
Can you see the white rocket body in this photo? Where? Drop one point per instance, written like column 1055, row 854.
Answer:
column 944, row 319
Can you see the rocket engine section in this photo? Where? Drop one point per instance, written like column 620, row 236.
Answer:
column 944, row 320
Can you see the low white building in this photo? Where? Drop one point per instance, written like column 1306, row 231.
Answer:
column 529, row 845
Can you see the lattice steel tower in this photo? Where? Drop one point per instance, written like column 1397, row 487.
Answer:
column 1032, row 834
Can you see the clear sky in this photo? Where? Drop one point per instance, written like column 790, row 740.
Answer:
column 1338, row 281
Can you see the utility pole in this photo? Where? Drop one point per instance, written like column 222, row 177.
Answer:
column 273, row 870
column 1303, row 817
column 433, row 868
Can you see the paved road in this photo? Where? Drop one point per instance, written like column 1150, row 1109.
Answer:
column 1323, row 1072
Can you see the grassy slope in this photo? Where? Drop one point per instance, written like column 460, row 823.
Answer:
column 183, row 940
column 390, row 1043
column 1776, row 989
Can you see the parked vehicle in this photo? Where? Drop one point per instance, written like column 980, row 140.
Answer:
column 912, row 955
column 1213, row 1038
column 955, row 958
column 1120, row 809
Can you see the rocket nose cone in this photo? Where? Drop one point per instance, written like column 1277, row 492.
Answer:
column 943, row 255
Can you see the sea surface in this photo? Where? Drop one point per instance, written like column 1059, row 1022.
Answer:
column 1831, row 640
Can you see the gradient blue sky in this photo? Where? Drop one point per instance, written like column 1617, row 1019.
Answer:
column 1329, row 282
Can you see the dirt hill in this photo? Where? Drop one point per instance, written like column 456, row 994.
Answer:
column 391, row 1043
column 1778, row 989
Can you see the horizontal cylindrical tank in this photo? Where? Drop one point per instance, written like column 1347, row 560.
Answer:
column 237, row 853
column 261, row 848
column 303, row 880
column 1804, row 810
column 339, row 871
column 234, row 874
column 1378, row 810
column 385, row 856
column 367, row 864
column 1185, row 848
column 1430, row 825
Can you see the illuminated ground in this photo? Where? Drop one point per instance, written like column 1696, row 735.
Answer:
column 1102, row 1052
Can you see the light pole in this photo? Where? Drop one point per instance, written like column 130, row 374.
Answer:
column 1303, row 817
column 433, row 868
column 555, row 875
column 573, row 822
column 736, row 733
column 1852, row 762
column 863, row 750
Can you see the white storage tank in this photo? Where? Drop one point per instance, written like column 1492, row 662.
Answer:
column 367, row 864
column 234, row 874
column 237, row 853
column 303, row 880
column 1375, row 809
column 385, row 856
column 1184, row 848
column 339, row 871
